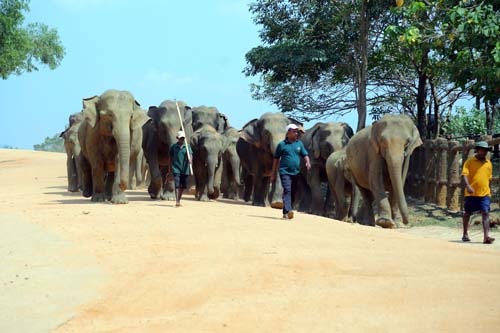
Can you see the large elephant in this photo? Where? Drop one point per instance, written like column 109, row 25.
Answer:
column 110, row 137
column 159, row 135
column 321, row 141
column 342, row 185
column 203, row 115
column 208, row 146
column 256, row 147
column 378, row 157
column 73, row 149
column 231, row 181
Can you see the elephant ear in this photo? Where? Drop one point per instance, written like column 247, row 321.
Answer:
column 348, row 133
column 188, row 117
column 375, row 133
column 89, row 111
column 223, row 123
column 414, row 141
column 250, row 133
column 314, row 138
column 139, row 117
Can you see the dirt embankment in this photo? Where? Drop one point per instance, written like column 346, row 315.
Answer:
column 69, row 265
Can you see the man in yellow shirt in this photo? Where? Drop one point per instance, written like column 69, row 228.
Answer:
column 477, row 173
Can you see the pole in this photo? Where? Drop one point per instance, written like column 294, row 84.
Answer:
column 185, row 140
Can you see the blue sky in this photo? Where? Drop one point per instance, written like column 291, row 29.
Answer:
column 191, row 50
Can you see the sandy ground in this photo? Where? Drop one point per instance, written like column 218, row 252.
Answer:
column 69, row 265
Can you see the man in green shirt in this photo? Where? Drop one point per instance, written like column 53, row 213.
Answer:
column 179, row 165
column 287, row 156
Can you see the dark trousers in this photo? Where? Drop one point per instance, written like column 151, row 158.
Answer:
column 289, row 184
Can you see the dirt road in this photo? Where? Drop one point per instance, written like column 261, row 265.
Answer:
column 69, row 265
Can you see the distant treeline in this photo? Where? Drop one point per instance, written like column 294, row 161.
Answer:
column 54, row 143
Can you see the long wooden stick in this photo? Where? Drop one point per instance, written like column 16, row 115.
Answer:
column 185, row 139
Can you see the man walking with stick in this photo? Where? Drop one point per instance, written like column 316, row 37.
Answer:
column 180, row 164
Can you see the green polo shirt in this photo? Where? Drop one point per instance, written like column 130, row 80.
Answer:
column 289, row 154
column 179, row 159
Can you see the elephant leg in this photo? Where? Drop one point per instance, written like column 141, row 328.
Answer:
column 355, row 202
column 260, row 190
column 72, row 174
column 382, row 207
column 108, row 184
column 248, row 187
column 117, row 195
column 138, row 169
column 168, row 188
column 340, row 196
column 366, row 216
column 132, row 176
column 276, row 197
column 98, row 194
column 87, row 186
column 317, row 198
column 395, row 213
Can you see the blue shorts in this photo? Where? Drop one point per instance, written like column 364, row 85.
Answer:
column 474, row 204
column 180, row 180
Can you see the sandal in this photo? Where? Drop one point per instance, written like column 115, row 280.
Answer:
column 489, row 240
column 465, row 239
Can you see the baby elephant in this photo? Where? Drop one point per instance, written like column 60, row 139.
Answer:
column 342, row 185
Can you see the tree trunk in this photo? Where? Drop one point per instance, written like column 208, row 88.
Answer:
column 363, row 66
column 422, row 96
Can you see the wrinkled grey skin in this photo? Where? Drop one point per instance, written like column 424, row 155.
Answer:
column 378, row 157
column 203, row 115
column 231, row 179
column 159, row 135
column 320, row 141
column 73, row 149
column 256, row 147
column 110, row 137
column 342, row 185
column 208, row 146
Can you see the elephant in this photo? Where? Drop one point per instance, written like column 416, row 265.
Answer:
column 208, row 146
column 256, row 146
column 378, row 158
column 110, row 137
column 231, row 181
column 203, row 115
column 73, row 149
column 321, row 140
column 159, row 134
column 342, row 185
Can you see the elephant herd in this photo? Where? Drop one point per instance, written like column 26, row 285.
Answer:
column 112, row 141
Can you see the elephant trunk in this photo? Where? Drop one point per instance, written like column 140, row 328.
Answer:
column 123, row 143
column 274, row 143
column 394, row 167
column 235, row 166
column 211, row 164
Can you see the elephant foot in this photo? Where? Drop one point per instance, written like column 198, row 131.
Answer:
column 385, row 223
column 214, row 195
column 99, row 197
column 169, row 196
column 203, row 197
column 119, row 198
column 277, row 204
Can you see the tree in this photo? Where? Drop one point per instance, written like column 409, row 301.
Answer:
column 55, row 144
column 22, row 48
column 316, row 53
column 453, row 47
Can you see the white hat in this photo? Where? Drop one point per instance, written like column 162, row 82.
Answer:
column 292, row 127
column 180, row 134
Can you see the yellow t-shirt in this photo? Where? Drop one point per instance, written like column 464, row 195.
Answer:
column 479, row 175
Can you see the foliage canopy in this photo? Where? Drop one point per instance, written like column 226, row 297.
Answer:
column 22, row 48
